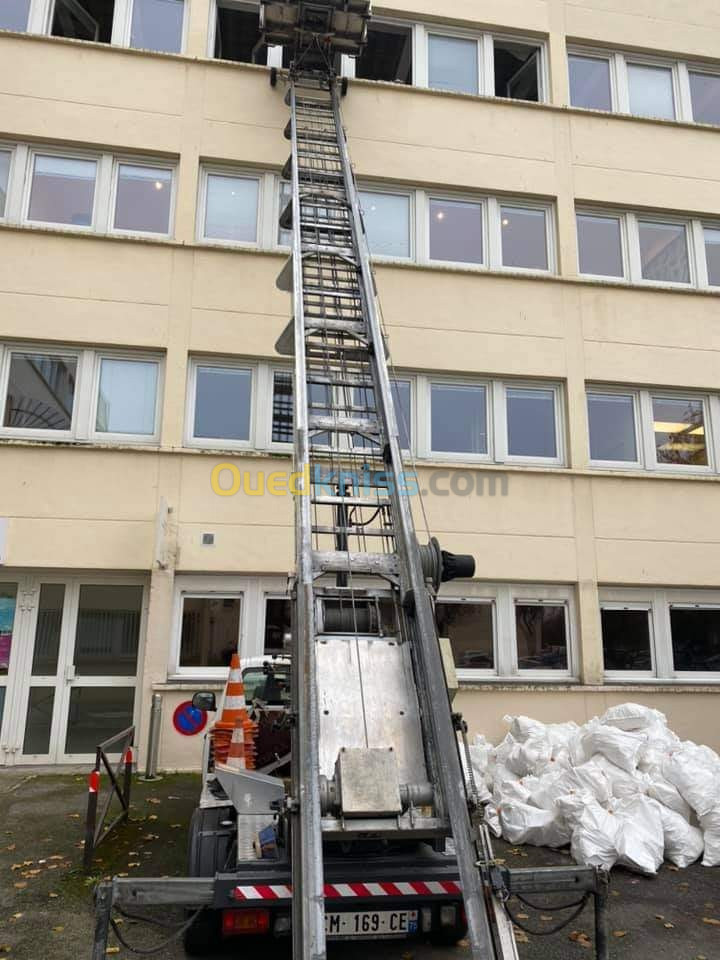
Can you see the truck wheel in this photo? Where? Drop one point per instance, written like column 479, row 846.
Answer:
column 209, row 847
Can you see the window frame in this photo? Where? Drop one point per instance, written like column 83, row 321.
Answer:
column 11, row 148
column 71, row 153
column 240, row 173
column 122, row 28
column 175, row 670
column 119, row 160
column 410, row 194
column 7, row 350
column 520, row 598
column 646, row 60
column 634, row 394
column 220, row 443
column 98, row 436
column 468, row 674
column 455, row 456
column 548, row 208
column 275, row 52
column 453, row 33
column 687, row 67
column 618, row 676
column 265, row 595
column 503, row 440
column 440, row 196
column 620, row 216
column 647, row 397
column 592, row 53
column 701, row 676
column 347, row 68
column 634, row 220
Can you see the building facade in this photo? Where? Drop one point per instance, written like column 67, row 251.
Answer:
column 540, row 188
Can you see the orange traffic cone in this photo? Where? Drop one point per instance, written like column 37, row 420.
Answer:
column 236, row 751
column 250, row 729
column 234, row 709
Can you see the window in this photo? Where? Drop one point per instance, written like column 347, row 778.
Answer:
column 695, row 635
column 401, row 393
column 627, row 639
column 231, row 208
column 590, row 82
column 282, row 408
column 470, row 629
column 524, row 238
column 600, row 247
column 712, row 255
column 62, row 190
column 459, row 419
column 387, row 223
column 237, row 34
column 453, row 64
column 516, row 69
column 222, row 402
column 651, row 91
column 40, row 392
column 127, row 396
column 679, row 426
column 664, row 252
column 611, row 420
column 705, row 96
column 531, row 423
column 143, row 197
column 107, row 635
column 83, row 20
column 14, row 16
column 278, row 624
column 456, row 231
column 387, row 55
column 210, row 631
column 157, row 25
column 541, row 636
column 5, row 157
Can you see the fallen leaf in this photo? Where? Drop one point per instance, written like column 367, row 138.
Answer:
column 460, row 943
column 53, row 896
column 673, row 868
column 74, row 816
column 544, row 917
column 619, row 933
column 581, row 939
column 521, row 936
column 56, row 856
column 110, row 950
column 58, row 929
column 134, row 863
column 153, row 800
column 11, row 847
column 175, row 826
column 659, row 916
column 712, row 921
column 152, row 817
column 614, row 893
column 20, row 886
column 686, row 884
column 523, row 916
column 16, row 916
column 669, row 926
column 122, row 874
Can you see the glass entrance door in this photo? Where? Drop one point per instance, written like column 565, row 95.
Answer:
column 8, row 605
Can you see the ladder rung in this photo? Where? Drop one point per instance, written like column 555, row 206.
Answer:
column 347, row 253
column 330, row 424
column 350, row 502
column 354, row 531
column 339, row 561
column 350, row 327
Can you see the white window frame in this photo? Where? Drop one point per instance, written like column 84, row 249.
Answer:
column 524, row 597
column 266, row 384
column 634, row 218
column 453, row 33
column 618, row 676
column 698, row 237
column 475, row 673
column 275, row 53
column 660, row 600
column 6, row 352
column 495, row 205
column 589, row 211
column 122, row 28
column 442, row 381
column 439, row 196
column 98, row 436
column 69, row 154
column 643, row 60
column 131, row 161
column 646, row 397
column 266, row 594
column 234, row 363
column 240, row 173
column 502, row 445
column 410, row 194
column 614, row 62
column 10, row 148
column 347, row 68
column 634, row 394
column 685, row 68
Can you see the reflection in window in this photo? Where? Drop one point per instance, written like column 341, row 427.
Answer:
column 222, row 403
column 705, row 95
column 387, row 223
column 531, row 422
column 712, row 255
column 541, row 636
column 458, row 419
column 651, row 91
column 127, row 397
column 679, row 426
column 38, row 721
column 83, row 20
column 231, row 208
column 626, row 639
column 365, row 397
column 695, row 639
column 96, row 714
column 108, row 630
column 47, row 631
column 210, row 632
column 63, row 191
column 590, row 83
column 517, row 67
column 452, row 64
column 456, row 231
column 277, row 624
column 14, row 15
column 600, row 245
column 469, row 627
column 387, row 54
column 664, row 252
column 611, row 418
column 524, row 238
column 157, row 25
column 282, row 409
column 8, row 597
column 4, row 178
column 143, row 199
column 41, row 391
column 237, row 33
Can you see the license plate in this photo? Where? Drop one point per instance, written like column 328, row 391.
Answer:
column 371, row 923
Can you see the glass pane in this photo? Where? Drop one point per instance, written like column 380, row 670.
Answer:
column 4, row 177
column 456, row 231
column 41, row 390
column 237, row 32
column 157, row 25
column 222, row 403
column 664, row 252
column 600, row 245
column 541, row 637
column 458, row 418
column 712, row 254
column 365, row 397
column 14, row 14
column 679, row 431
column 626, row 639
column 531, row 422
column 63, row 191
column 47, row 631
column 611, row 420
column 210, row 632
column 282, row 413
column 127, row 397
column 387, row 55
column 285, row 236
column 39, row 720
column 590, row 83
column 469, row 627
column 277, row 624
column 273, row 689
column 231, row 209
column 524, row 238
column 516, row 69
column 387, row 223
column 695, row 639
column 143, row 199
column 108, row 631
column 83, row 20
column 8, row 596
column 651, row 91
column 96, row 714
column 705, row 94
column 453, row 64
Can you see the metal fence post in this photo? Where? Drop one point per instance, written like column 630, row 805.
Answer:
column 91, row 819
column 151, row 761
column 127, row 779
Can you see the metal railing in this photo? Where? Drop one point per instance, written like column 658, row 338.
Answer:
column 96, row 830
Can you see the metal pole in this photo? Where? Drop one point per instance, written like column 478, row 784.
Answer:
column 151, row 761
column 127, row 780
column 103, row 910
column 602, row 948
column 91, row 818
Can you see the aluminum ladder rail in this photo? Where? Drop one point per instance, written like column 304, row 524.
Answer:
column 345, row 421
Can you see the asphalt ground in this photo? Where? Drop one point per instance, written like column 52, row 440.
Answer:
column 46, row 900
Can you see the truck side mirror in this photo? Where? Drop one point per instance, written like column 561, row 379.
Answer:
column 204, row 700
